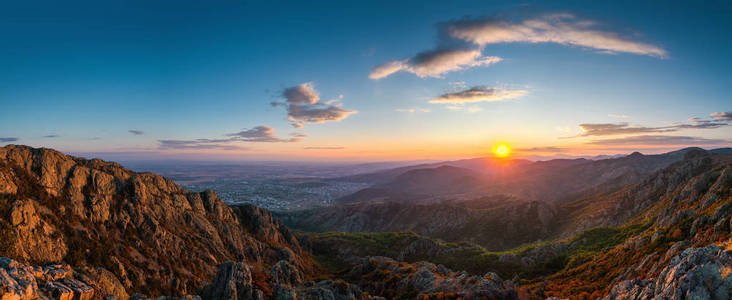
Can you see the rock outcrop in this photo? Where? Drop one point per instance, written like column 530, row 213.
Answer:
column 152, row 235
column 696, row 273
column 56, row 281
column 393, row 279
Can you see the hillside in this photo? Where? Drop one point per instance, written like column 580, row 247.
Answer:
column 667, row 236
column 90, row 229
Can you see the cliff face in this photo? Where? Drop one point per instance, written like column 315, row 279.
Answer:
column 154, row 236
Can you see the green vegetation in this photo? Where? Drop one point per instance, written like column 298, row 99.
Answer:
column 331, row 249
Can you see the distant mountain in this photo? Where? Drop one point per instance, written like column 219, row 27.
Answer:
column 552, row 181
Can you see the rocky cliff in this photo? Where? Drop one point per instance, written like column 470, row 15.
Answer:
column 154, row 236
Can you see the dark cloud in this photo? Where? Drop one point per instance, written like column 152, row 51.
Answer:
column 304, row 106
column 50, row 136
column 263, row 134
column 136, row 132
column 658, row 140
column 8, row 139
column 478, row 94
column 722, row 116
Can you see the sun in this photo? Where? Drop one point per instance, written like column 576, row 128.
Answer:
column 502, row 150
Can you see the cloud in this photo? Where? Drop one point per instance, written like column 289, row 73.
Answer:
column 262, row 134
column 435, row 63
column 563, row 29
column 603, row 129
column 136, row 132
column 658, row 140
column 722, row 116
column 258, row 134
column 304, row 106
column 198, row 144
column 619, row 116
column 324, row 148
column 50, row 136
column 8, row 139
column 541, row 149
column 478, row 94
column 699, row 123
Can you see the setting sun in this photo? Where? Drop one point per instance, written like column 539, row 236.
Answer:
column 502, row 150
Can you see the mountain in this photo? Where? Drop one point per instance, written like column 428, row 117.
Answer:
column 553, row 181
column 423, row 185
column 72, row 228
column 154, row 236
column 665, row 236
column 497, row 223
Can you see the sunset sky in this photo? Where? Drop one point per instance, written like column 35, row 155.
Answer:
column 378, row 80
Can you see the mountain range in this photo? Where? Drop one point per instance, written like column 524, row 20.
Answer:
column 633, row 227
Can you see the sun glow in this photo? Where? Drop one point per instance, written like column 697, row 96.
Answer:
column 502, row 150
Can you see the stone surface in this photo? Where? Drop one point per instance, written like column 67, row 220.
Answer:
column 696, row 273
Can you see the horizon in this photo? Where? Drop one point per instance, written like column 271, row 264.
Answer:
column 329, row 82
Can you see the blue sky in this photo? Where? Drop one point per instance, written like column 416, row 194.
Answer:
column 198, row 79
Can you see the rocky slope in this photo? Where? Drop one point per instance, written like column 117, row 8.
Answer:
column 155, row 237
column 666, row 236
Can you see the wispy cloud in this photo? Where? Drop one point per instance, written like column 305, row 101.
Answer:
column 8, row 139
column 198, row 144
column 602, row 129
column 722, row 116
column 50, row 136
column 462, row 42
column 605, row 129
column 698, row 123
column 478, row 94
column 262, row 134
column 258, row 134
column 541, row 149
column 136, row 132
column 658, row 140
column 619, row 116
column 563, row 29
column 435, row 63
column 304, row 106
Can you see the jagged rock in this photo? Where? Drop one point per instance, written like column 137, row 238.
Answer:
column 106, row 283
column 425, row 278
column 153, row 235
column 331, row 290
column 59, row 291
column 284, row 273
column 233, row 281
column 696, row 273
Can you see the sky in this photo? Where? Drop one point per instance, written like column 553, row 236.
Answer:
column 373, row 80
